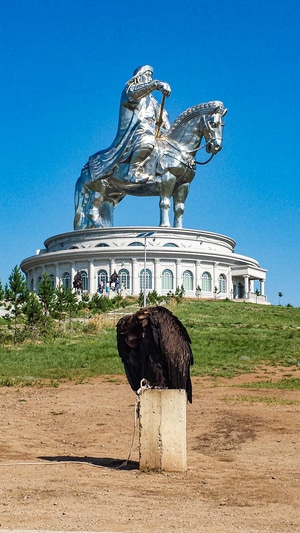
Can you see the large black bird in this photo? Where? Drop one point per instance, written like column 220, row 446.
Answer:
column 154, row 345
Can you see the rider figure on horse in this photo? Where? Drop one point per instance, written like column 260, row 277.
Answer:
column 139, row 118
column 137, row 97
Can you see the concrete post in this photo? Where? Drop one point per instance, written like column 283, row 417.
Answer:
column 162, row 430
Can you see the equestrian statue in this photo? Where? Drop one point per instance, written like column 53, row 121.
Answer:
column 149, row 156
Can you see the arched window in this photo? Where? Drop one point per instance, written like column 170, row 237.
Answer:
column 171, row 245
column 148, row 279
column 167, row 280
column 136, row 243
column 124, row 277
column 102, row 277
column 102, row 245
column 222, row 283
column 52, row 277
column 188, row 280
column 84, row 280
column 66, row 279
column 206, row 282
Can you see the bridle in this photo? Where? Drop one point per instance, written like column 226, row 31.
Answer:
column 216, row 110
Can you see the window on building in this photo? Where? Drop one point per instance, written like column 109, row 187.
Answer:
column 171, row 245
column 188, row 280
column 136, row 243
column 84, row 280
column 222, row 283
column 124, row 277
column 102, row 277
column 148, row 279
column 66, row 279
column 102, row 245
column 52, row 277
column 206, row 282
column 167, row 280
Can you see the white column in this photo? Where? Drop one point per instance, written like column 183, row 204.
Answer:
column 246, row 285
column 56, row 275
column 178, row 281
column 135, row 278
column 112, row 267
column 229, row 284
column 198, row 274
column 157, row 276
column 72, row 274
column 262, row 287
column 92, row 279
column 215, row 280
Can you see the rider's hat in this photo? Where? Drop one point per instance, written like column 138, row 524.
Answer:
column 139, row 71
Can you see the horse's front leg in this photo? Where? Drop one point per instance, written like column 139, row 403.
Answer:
column 164, row 209
column 165, row 191
column 179, row 197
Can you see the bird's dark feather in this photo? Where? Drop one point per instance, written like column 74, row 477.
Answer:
column 154, row 345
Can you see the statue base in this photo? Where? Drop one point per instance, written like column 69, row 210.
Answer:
column 164, row 259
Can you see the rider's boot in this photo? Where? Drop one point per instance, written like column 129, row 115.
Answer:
column 140, row 156
column 136, row 174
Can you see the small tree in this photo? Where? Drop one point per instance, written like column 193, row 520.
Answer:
column 59, row 309
column 1, row 293
column 141, row 299
column 280, row 295
column 46, row 294
column 33, row 310
column 179, row 294
column 84, row 304
column 71, row 303
column 16, row 292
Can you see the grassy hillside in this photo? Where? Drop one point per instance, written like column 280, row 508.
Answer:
column 227, row 338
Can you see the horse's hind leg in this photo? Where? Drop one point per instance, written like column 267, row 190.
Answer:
column 106, row 214
column 179, row 198
column 82, row 194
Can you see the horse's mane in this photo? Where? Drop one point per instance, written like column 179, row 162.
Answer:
column 192, row 112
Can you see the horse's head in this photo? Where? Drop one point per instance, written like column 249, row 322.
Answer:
column 213, row 126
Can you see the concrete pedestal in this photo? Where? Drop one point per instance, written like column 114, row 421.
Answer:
column 162, row 430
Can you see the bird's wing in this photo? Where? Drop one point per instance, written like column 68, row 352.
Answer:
column 172, row 339
column 128, row 348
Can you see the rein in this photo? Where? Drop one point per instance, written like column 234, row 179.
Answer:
column 208, row 160
column 204, row 162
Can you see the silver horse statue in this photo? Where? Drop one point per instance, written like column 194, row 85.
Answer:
column 169, row 170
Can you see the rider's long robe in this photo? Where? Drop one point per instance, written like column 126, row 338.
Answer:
column 136, row 120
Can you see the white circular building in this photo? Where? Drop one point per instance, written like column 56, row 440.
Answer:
column 204, row 263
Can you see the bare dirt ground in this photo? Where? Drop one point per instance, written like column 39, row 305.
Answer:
column 60, row 449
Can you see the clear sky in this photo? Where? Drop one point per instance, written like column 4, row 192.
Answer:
column 64, row 65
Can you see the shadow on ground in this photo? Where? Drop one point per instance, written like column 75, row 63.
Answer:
column 104, row 462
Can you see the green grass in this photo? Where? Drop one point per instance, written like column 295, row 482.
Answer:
column 228, row 338
column 63, row 359
column 285, row 384
column 261, row 399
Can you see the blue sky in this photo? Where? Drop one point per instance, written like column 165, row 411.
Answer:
column 64, row 65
